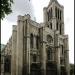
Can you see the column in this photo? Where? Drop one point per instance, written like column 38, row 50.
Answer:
column 57, row 52
column 43, row 68
column 43, row 54
column 58, row 61
column 62, row 28
column 67, row 57
column 28, row 49
column 27, row 44
column 62, row 19
column 13, row 55
column 45, row 15
column 53, row 8
column 62, row 14
column 19, row 53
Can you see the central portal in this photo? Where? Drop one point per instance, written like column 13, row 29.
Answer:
column 35, row 69
column 51, row 69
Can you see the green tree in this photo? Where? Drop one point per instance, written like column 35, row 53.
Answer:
column 72, row 69
column 5, row 8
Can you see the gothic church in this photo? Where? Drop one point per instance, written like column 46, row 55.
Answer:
column 39, row 48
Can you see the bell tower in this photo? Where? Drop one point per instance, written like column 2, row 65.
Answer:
column 54, row 16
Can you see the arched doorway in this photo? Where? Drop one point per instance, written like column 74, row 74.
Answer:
column 51, row 69
column 63, row 71
column 35, row 69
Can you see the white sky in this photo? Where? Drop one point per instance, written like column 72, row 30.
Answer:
column 6, row 24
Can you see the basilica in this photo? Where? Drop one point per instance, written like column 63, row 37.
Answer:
column 38, row 48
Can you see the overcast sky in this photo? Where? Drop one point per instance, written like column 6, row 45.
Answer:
column 35, row 9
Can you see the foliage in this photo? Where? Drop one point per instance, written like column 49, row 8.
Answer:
column 72, row 69
column 5, row 8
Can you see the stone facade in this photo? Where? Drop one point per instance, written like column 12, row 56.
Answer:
column 40, row 48
column 6, row 58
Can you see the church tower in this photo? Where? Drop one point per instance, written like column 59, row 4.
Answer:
column 53, row 16
column 54, row 21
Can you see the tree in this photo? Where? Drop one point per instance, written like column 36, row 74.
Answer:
column 72, row 69
column 5, row 8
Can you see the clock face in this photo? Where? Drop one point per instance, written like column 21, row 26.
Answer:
column 49, row 39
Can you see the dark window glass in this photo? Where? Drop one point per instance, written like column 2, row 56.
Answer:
column 60, row 15
column 51, row 25
column 62, row 50
column 48, row 15
column 60, row 28
column 34, row 58
column 56, row 12
column 31, row 40
column 57, row 26
column 48, row 26
column 51, row 13
column 37, row 41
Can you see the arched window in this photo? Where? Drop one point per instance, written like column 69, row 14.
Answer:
column 51, row 13
column 50, row 25
column 37, row 41
column 49, row 39
column 57, row 25
column 56, row 12
column 48, row 15
column 60, row 14
column 31, row 40
column 62, row 49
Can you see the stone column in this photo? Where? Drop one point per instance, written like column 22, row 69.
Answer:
column 43, row 65
column 28, row 50
column 43, row 53
column 28, row 55
column 67, row 56
column 62, row 19
column 53, row 9
column 27, row 44
column 58, row 61
column 19, row 53
column 45, row 15
column 54, row 24
column 57, row 52
column 62, row 28
column 13, row 55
